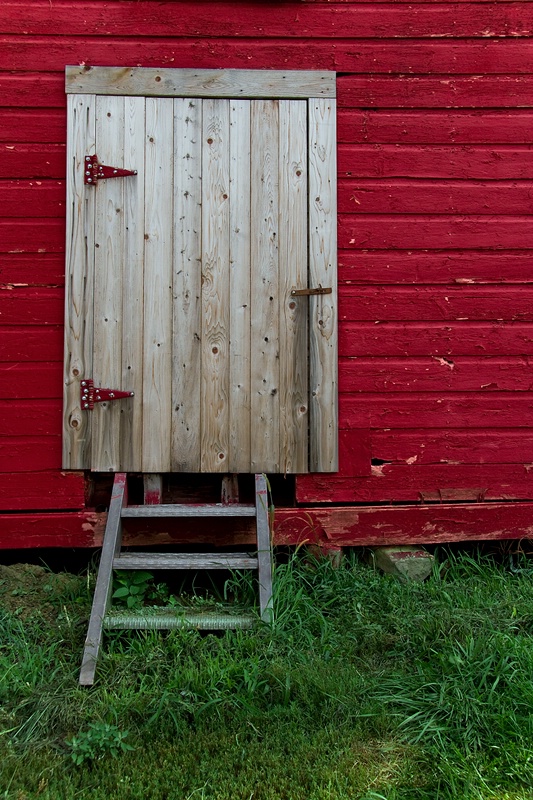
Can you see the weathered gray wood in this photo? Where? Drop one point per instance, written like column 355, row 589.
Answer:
column 200, row 510
column 210, row 398
column 293, row 392
column 229, row 493
column 108, row 283
column 264, row 411
column 187, row 291
column 102, row 592
column 264, row 550
column 79, row 281
column 131, row 378
column 199, row 83
column 215, row 345
column 157, row 357
column 323, row 418
column 240, row 299
column 185, row 561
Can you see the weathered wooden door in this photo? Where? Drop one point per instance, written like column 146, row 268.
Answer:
column 180, row 278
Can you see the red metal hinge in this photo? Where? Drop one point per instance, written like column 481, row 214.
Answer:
column 91, row 394
column 94, row 171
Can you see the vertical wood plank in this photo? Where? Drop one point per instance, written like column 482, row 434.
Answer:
column 215, row 286
column 109, row 263
column 293, row 394
column 131, row 378
column 79, row 281
column 157, row 360
column 239, row 334
column 264, row 287
column 323, row 271
column 187, row 323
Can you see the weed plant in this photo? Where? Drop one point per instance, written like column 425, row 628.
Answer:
column 363, row 688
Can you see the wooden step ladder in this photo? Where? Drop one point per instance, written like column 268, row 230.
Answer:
column 112, row 558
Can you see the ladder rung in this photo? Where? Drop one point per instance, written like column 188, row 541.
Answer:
column 169, row 619
column 186, row 510
column 185, row 561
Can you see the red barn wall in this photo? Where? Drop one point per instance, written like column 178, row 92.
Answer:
column 435, row 236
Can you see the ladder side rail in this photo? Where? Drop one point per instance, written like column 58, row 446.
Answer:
column 264, row 550
column 102, row 593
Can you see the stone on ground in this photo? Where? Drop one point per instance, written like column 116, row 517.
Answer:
column 407, row 562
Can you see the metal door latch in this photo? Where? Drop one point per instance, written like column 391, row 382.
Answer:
column 93, row 171
column 309, row 292
column 91, row 394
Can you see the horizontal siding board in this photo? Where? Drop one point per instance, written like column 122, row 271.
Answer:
column 24, row 417
column 433, row 338
column 66, row 529
column 432, row 410
column 41, row 490
column 25, row 344
column 423, row 267
column 33, row 198
column 30, row 453
column 429, row 126
column 429, row 303
column 426, row 56
column 436, row 374
column 439, row 91
column 22, row 89
column 472, row 446
column 366, row 451
column 396, row 231
column 430, row 483
column 32, row 124
column 502, row 198
column 38, row 380
column 30, row 269
column 31, row 306
column 33, row 160
column 499, row 162
column 337, row 526
column 321, row 21
column 32, row 235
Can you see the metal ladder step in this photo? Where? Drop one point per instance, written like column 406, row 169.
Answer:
column 197, row 510
column 166, row 619
column 185, row 561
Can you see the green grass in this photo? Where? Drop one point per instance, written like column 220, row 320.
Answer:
column 365, row 688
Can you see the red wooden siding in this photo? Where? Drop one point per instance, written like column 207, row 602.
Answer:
column 435, row 163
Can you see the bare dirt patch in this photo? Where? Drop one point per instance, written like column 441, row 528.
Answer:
column 30, row 590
